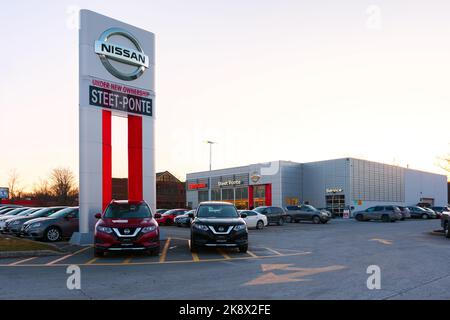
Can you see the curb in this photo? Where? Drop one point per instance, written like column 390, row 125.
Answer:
column 29, row 254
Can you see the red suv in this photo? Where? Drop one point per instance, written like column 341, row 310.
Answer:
column 127, row 226
column 168, row 217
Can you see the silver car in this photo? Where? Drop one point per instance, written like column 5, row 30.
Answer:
column 383, row 213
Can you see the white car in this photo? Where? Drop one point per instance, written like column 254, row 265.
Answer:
column 254, row 219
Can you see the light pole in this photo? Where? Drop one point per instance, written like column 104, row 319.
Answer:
column 210, row 153
column 210, row 167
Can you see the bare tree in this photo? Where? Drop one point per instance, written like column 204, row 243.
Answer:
column 62, row 184
column 42, row 190
column 14, row 185
column 444, row 163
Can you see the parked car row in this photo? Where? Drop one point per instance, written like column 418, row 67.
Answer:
column 48, row 224
column 392, row 213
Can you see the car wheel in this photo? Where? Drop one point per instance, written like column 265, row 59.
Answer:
column 260, row 225
column 425, row 216
column 385, row 218
column 243, row 249
column 359, row 217
column 288, row 219
column 99, row 253
column 52, row 234
column 280, row 222
column 446, row 230
column 316, row 220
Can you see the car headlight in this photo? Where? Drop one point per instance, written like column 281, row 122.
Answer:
column 240, row 227
column 149, row 229
column 35, row 225
column 15, row 223
column 104, row 229
column 201, row 227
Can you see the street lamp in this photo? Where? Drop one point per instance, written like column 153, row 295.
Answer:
column 210, row 167
column 210, row 153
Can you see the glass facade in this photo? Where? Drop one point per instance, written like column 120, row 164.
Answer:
column 203, row 196
column 336, row 204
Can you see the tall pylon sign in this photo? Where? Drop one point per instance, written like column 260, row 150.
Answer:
column 117, row 77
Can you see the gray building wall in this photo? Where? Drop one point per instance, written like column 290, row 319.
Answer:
column 419, row 184
column 321, row 175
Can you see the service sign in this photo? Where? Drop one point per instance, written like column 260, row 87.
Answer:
column 116, row 66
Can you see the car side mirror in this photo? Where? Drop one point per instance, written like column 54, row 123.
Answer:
column 191, row 215
column 158, row 216
column 243, row 215
column 98, row 216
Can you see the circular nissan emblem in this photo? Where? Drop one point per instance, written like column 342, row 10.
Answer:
column 127, row 231
column 221, row 229
column 108, row 51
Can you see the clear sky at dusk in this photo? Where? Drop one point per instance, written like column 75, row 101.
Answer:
column 268, row 80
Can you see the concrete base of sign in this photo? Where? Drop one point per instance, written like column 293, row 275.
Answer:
column 82, row 239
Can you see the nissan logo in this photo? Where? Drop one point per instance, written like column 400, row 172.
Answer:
column 108, row 51
column 221, row 229
column 127, row 231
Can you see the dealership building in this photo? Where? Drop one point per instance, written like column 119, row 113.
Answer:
column 332, row 184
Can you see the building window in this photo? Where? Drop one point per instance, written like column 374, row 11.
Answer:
column 336, row 204
column 242, row 194
column 215, row 195
column 228, row 195
column 203, row 196
column 292, row 201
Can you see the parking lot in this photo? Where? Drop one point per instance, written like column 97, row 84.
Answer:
column 294, row 261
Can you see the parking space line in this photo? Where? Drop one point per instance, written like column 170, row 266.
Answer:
column 128, row 260
column 163, row 256
column 67, row 256
column 195, row 257
column 91, row 261
column 224, row 254
column 251, row 254
column 274, row 251
column 21, row 261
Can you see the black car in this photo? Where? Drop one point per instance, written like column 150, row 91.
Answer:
column 218, row 224
column 183, row 220
column 275, row 215
column 445, row 222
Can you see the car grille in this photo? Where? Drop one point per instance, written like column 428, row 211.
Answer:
column 126, row 231
column 221, row 228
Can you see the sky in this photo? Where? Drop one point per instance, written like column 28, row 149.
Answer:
column 267, row 80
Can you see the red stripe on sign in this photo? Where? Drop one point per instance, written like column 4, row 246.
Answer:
column 250, row 198
column 106, row 159
column 135, row 172
column 268, row 194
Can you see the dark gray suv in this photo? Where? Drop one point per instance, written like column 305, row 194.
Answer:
column 383, row 213
column 306, row 213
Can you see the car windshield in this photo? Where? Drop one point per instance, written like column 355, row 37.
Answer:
column 260, row 209
column 16, row 211
column 217, row 211
column 63, row 213
column 128, row 211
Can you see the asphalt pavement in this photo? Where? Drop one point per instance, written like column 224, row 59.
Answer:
column 294, row 261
